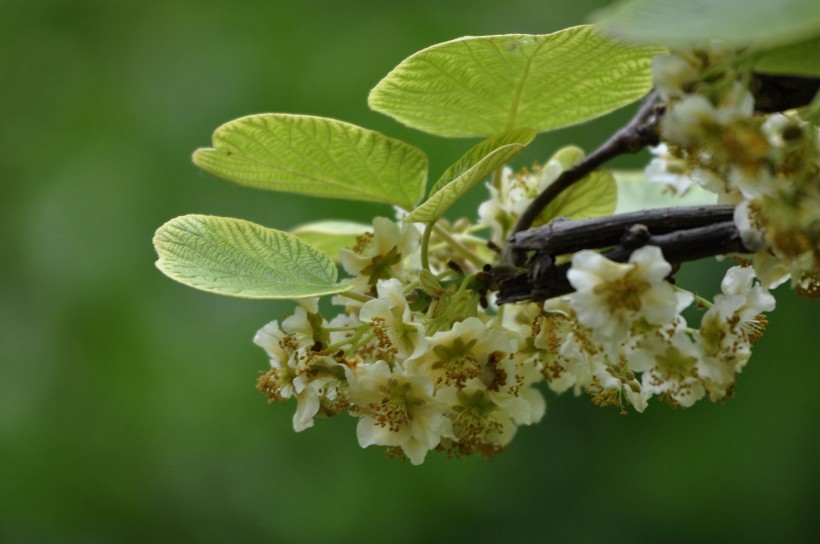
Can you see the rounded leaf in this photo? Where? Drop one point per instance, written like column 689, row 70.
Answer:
column 482, row 86
column 568, row 156
column 733, row 22
column 330, row 237
column 316, row 156
column 593, row 196
column 242, row 259
column 799, row 59
column 635, row 193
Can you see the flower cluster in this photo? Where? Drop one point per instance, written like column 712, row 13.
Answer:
column 447, row 335
column 426, row 362
column 768, row 165
column 414, row 356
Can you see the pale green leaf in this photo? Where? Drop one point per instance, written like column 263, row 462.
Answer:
column 593, row 196
column 316, row 156
column 568, row 156
column 733, row 22
column 242, row 259
column 481, row 86
column 800, row 59
column 470, row 169
column 330, row 237
column 635, row 193
column 479, row 152
column 813, row 111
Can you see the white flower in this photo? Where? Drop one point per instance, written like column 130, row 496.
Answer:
column 310, row 304
column 509, row 389
column 612, row 380
column 563, row 357
column 685, row 122
column 714, row 183
column 694, row 118
column 587, row 364
column 579, row 355
column 746, row 298
column 668, row 359
column 601, row 369
column 611, row 296
column 737, row 103
column 288, row 377
column 518, row 319
column 673, row 75
column 752, row 183
column 478, row 424
column 346, row 323
column 729, row 327
column 667, row 169
column 300, row 327
column 774, row 126
column 485, row 416
column 753, row 238
column 269, row 338
column 381, row 255
column 397, row 409
column 725, row 350
column 770, row 270
column 496, row 212
column 516, row 191
column 463, row 353
column 390, row 313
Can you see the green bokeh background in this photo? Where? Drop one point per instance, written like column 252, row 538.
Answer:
column 127, row 402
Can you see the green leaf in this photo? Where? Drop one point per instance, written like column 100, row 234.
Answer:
column 316, row 156
column 812, row 114
column 467, row 171
column 635, row 193
column 594, row 196
column 733, row 22
column 800, row 59
column 242, row 259
column 482, row 86
column 568, row 156
column 330, row 237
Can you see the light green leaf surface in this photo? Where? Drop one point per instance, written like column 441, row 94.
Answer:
column 813, row 112
column 475, row 165
column 568, row 156
column 734, row 22
column 800, row 59
column 330, row 237
column 635, row 193
column 481, row 86
column 316, row 156
column 242, row 259
column 593, row 196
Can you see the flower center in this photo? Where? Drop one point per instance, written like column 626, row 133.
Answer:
column 624, row 293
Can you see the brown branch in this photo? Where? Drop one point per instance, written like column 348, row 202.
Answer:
column 565, row 236
column 639, row 133
column 687, row 241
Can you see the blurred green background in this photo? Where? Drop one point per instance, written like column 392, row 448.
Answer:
column 127, row 402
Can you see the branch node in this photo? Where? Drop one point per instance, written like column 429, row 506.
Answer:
column 683, row 234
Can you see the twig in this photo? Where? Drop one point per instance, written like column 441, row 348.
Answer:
column 564, row 236
column 544, row 279
column 458, row 246
column 640, row 132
